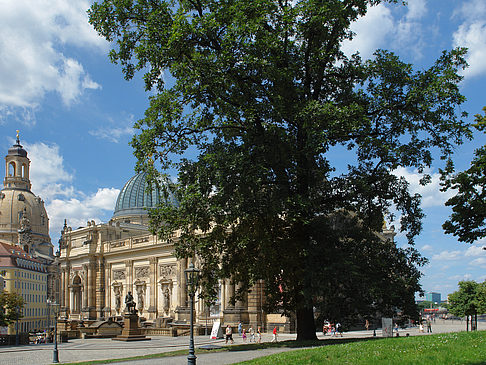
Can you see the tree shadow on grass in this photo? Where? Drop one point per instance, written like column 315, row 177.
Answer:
column 297, row 344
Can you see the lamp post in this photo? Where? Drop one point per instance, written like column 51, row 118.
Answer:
column 55, row 355
column 17, row 310
column 192, row 278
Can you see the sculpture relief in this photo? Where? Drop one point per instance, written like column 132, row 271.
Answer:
column 142, row 272
column 167, row 271
column 119, row 275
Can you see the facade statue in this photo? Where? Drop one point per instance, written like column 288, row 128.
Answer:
column 140, row 295
column 117, row 299
column 130, row 303
column 166, row 301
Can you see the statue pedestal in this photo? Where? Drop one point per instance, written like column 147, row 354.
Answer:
column 131, row 330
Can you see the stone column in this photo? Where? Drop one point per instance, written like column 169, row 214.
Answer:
column 100, row 287
column 182, row 283
column 66, row 286
column 62, row 288
column 229, row 293
column 92, row 285
column 129, row 274
column 108, row 287
column 240, row 303
column 86, row 287
column 152, row 308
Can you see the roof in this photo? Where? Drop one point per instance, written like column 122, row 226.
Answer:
column 15, row 256
column 136, row 197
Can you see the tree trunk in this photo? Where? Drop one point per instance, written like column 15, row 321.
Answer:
column 467, row 323
column 306, row 329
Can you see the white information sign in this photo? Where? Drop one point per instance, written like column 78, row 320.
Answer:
column 387, row 327
column 216, row 331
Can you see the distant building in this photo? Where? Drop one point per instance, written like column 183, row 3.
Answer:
column 27, row 261
column 26, row 276
column 433, row 297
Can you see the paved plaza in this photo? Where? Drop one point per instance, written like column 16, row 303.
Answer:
column 99, row 349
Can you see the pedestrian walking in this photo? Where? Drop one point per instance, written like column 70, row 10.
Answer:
column 240, row 327
column 251, row 332
column 339, row 329
column 367, row 325
column 229, row 334
column 275, row 335
column 259, row 333
column 429, row 326
column 243, row 335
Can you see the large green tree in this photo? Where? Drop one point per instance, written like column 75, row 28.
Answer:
column 468, row 218
column 10, row 305
column 263, row 92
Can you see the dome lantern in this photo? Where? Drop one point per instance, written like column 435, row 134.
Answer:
column 17, row 167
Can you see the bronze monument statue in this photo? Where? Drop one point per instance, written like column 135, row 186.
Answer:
column 130, row 303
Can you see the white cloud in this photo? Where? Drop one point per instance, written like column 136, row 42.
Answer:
column 447, row 256
column 463, row 277
column 474, row 250
column 480, row 261
column 78, row 210
column 371, row 31
column 379, row 27
column 112, row 134
column 431, row 194
column 52, row 182
column 427, row 248
column 47, row 173
column 114, row 131
column 471, row 33
column 32, row 63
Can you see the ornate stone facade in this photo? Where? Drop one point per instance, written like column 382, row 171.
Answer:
column 138, row 262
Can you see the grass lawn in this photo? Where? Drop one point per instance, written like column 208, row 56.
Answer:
column 448, row 348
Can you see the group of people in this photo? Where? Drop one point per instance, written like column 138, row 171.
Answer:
column 333, row 329
column 423, row 324
column 250, row 334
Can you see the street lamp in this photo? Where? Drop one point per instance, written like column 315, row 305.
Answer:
column 55, row 306
column 192, row 278
column 17, row 313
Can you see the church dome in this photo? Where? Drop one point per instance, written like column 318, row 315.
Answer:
column 135, row 198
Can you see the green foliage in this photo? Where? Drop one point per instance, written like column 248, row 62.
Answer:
column 468, row 218
column 10, row 307
column 264, row 93
column 427, row 304
column 469, row 300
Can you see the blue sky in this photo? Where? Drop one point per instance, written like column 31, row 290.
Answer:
column 75, row 111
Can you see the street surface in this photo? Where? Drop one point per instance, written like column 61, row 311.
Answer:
column 99, row 349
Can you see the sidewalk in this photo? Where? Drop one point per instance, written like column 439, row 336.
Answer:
column 102, row 349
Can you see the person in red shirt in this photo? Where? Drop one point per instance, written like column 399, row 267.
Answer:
column 274, row 338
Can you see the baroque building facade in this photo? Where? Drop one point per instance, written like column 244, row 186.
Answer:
column 101, row 263
column 26, row 252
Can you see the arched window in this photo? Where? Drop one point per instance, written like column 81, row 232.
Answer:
column 26, row 248
column 24, row 170
column 11, row 169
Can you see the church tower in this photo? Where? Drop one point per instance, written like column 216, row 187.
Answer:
column 23, row 217
column 17, row 167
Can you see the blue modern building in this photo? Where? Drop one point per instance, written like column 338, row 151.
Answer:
column 432, row 297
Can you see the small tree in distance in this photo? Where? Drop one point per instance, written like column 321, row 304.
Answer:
column 469, row 300
column 9, row 307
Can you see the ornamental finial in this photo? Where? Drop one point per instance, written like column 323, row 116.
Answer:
column 18, row 137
